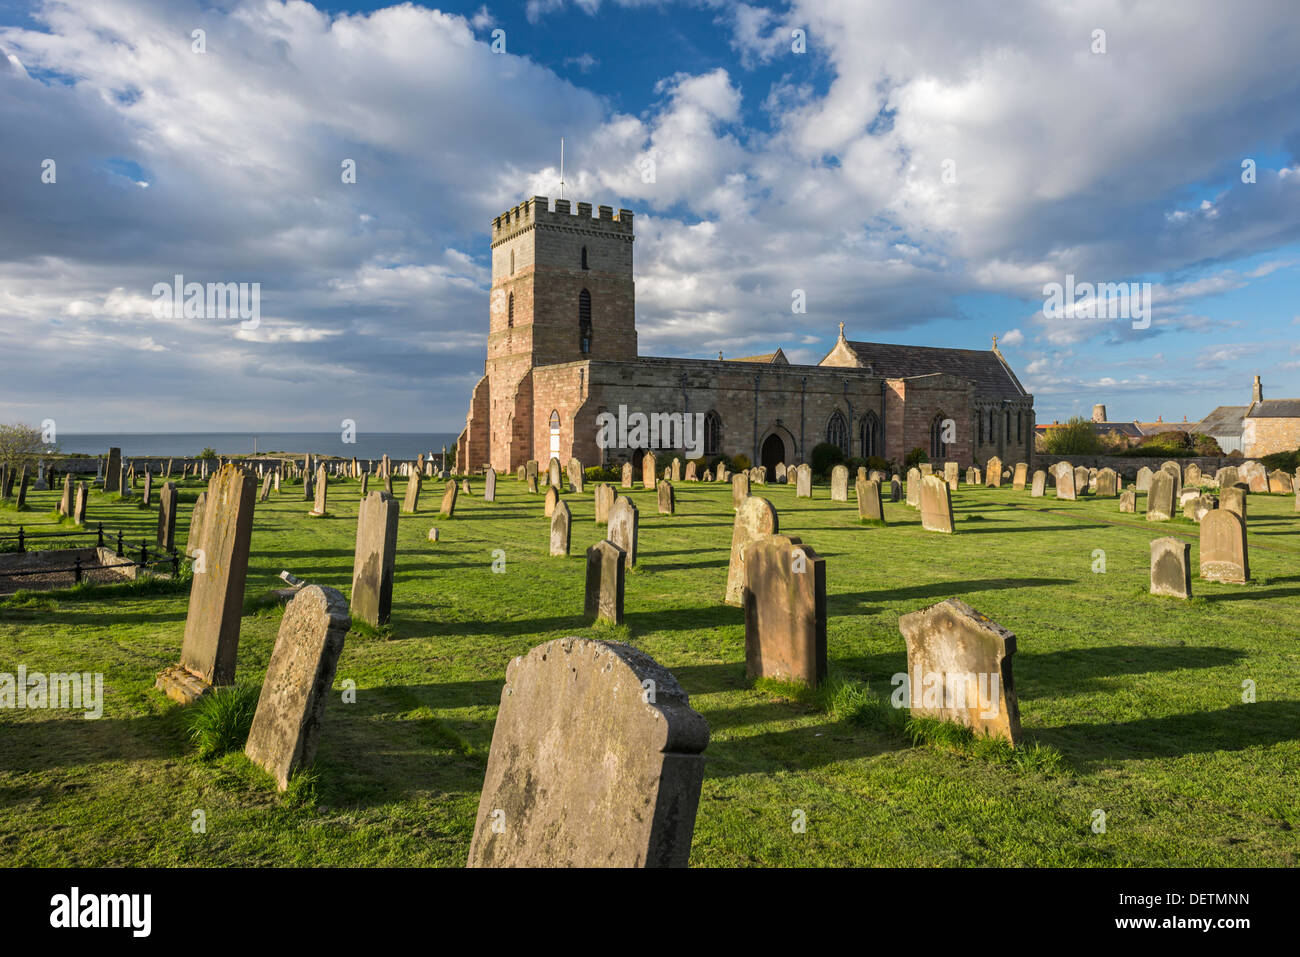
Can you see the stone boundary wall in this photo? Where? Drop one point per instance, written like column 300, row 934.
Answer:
column 1128, row 467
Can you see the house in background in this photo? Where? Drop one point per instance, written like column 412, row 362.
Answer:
column 1261, row 428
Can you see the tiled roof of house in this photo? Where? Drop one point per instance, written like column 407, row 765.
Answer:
column 1225, row 420
column 1276, row 409
column 984, row 367
column 771, row 358
column 1155, row 428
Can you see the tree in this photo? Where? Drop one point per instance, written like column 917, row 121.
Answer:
column 20, row 444
column 1076, row 437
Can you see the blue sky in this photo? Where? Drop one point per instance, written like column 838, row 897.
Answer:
column 920, row 171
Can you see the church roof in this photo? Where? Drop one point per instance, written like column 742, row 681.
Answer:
column 984, row 367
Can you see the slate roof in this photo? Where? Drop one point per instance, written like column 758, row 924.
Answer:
column 1276, row 409
column 982, row 366
column 1225, row 420
column 771, row 358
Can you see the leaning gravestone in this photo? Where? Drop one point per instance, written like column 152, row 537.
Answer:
column 79, row 505
column 936, row 504
column 1171, row 571
column 490, row 485
column 596, row 761
column 576, row 475
column 1020, row 477
column 839, row 484
column 1039, row 484
column 914, row 487
column 605, row 578
column 993, row 473
column 561, row 524
column 1223, row 548
column 623, row 521
column 604, row 498
column 755, row 518
column 448, row 507
column 554, row 476
column 1160, row 497
column 667, row 499
column 1065, row 484
column 959, row 669
column 113, row 473
column 291, row 708
column 803, row 481
column 785, row 610
column 65, row 501
column 166, row 537
column 414, row 485
column 147, row 498
column 266, row 488
column 648, row 476
column 195, row 539
column 868, row 495
column 217, row 593
column 739, row 489
column 373, row 559
column 552, row 499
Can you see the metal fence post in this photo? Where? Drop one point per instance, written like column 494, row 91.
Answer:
column 77, row 570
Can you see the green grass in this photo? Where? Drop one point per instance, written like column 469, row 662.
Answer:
column 1128, row 703
column 220, row 721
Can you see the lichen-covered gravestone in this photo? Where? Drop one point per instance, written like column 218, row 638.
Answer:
column 626, row 475
column 1160, row 497
column 959, row 669
column 1107, row 483
column 839, row 484
column 166, row 537
column 448, row 507
column 1171, row 568
column 605, row 581
column 1128, row 500
column 576, row 475
column 739, row 489
column 936, row 504
column 755, row 518
column 374, row 557
column 868, row 495
column 291, row 708
column 561, row 524
column 554, row 475
column 216, row 604
column 1233, row 498
column 667, row 499
column 623, row 521
column 604, row 501
column 785, row 610
column 952, row 475
column 1224, row 556
column 596, row 761
column 993, row 473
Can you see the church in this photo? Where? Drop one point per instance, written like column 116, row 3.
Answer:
column 562, row 353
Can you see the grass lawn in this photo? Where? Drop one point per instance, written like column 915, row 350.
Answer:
column 1140, row 696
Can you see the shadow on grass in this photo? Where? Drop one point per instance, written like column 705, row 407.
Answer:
column 72, row 741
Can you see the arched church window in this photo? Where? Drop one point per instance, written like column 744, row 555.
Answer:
column 510, row 311
column 584, row 321
column 938, row 447
column 584, row 257
column 870, row 435
column 837, row 431
column 555, row 432
column 979, row 417
column 712, row 433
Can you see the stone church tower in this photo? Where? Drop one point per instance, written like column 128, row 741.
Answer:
column 562, row 293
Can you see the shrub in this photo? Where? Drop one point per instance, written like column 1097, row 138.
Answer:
column 876, row 462
column 740, row 463
column 1286, row 461
column 604, row 473
column 915, row 458
column 208, row 453
column 220, row 722
column 1076, row 437
column 825, row 456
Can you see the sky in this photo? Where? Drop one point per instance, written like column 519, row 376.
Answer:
column 922, row 172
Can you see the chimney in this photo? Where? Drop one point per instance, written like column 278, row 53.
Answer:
column 1099, row 413
column 1258, row 395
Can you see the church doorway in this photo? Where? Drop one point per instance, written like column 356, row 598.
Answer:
column 772, row 454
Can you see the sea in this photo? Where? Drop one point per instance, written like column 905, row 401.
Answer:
column 368, row 445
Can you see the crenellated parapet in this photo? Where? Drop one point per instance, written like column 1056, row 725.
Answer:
column 535, row 212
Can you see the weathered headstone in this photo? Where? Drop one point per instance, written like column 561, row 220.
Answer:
column 623, row 522
column 993, row 473
column 449, row 494
column 605, row 581
column 667, row 499
column 952, row 475
column 414, row 485
column 692, row 473
column 561, row 525
column 147, row 498
column 291, row 708
column 895, row 489
column 1128, row 500
column 1143, row 483
column 755, row 518
column 555, row 795
column 739, row 488
column 266, row 488
column 604, row 502
column 1082, row 479
column 166, row 537
column 1039, row 484
column 554, row 474
column 1065, row 484
column 1171, row 571
column 627, row 475
column 1107, row 483
column 803, row 481
column 1160, row 497
column 914, row 487
column 959, row 669
column 322, row 485
column 79, row 505
column 374, row 557
column 839, row 484
column 65, row 501
column 1192, row 474
column 552, row 499
column 490, row 484
column 785, row 610
column 1224, row 555
column 195, row 539
column 208, row 652
column 936, row 504
column 113, row 472
column 648, row 474
column 1020, row 477
column 868, row 495
column 677, row 469
column 576, row 475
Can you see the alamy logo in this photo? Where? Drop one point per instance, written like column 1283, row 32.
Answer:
column 948, row 690
column 75, row 691
column 134, row 911
column 1103, row 300
column 658, row 430
column 213, row 300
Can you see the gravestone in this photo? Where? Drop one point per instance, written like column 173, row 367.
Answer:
column 754, row 519
column 952, row 475
column 1171, row 568
column 147, row 498
column 530, row 469
column 195, row 539
column 124, row 483
column 554, row 475
column 291, row 708
column 1107, row 483
column 576, row 475
column 1279, row 482
column 1020, row 477
column 936, row 504
column 839, row 484
column 521, row 474
column 449, row 496
column 552, row 498
column 739, row 489
column 959, row 669
column 605, row 578
column 166, row 537
column 993, row 473
column 895, row 489
column 1187, row 502
column 208, row 652
column 113, row 472
column 780, row 471
column 627, row 475
column 1081, row 479
column 721, row 474
column 914, row 487
column 532, row 484
column 1224, row 555
column 667, row 499
column 623, row 522
column 677, row 469
column 374, row 557
column 490, row 485
column 561, row 524
column 414, row 485
column 1160, row 497
column 648, row 475
column 1065, row 484
column 692, row 473
column 79, row 505
column 1039, row 484
column 926, row 469
column 65, row 501
column 1192, row 474
column 554, row 795
column 868, row 495
column 266, row 488
column 1143, row 483
column 1128, row 500
column 1227, row 476
column 365, row 484
column 803, row 481
column 708, row 476
column 322, row 485
column 465, row 487
column 785, row 610
column 604, row 502
column 1205, row 504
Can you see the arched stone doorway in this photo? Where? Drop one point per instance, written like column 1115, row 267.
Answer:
column 772, row 453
